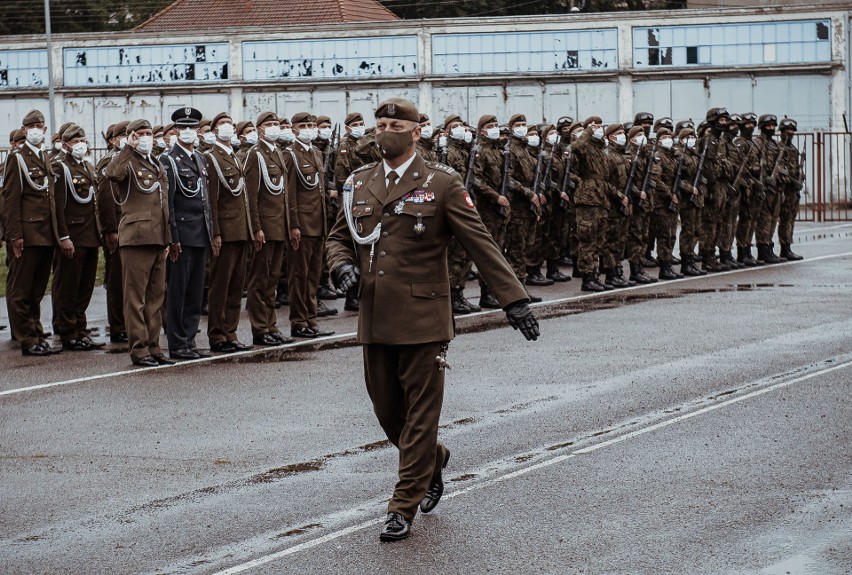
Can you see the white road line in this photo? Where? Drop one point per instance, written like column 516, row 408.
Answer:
column 344, row 336
column 243, row 567
column 822, row 229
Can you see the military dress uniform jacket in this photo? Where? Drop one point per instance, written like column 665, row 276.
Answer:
column 144, row 214
column 30, row 201
column 404, row 289
column 109, row 210
column 229, row 204
column 305, row 190
column 267, row 199
column 190, row 217
column 77, row 200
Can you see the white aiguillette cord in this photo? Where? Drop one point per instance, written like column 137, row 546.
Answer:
column 373, row 237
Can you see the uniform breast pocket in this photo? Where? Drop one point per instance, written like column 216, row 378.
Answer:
column 419, row 221
column 361, row 215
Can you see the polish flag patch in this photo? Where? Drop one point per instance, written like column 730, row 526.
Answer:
column 468, row 201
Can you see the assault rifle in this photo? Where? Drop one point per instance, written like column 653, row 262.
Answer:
column 539, row 161
column 468, row 175
column 628, row 188
column 648, row 169
column 676, row 183
column 504, row 184
column 698, row 176
column 733, row 187
column 803, row 180
column 328, row 166
column 772, row 181
column 547, row 180
column 567, row 183
column 442, row 151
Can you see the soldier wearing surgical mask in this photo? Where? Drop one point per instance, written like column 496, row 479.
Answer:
column 619, row 212
column 286, row 137
column 247, row 134
column 206, row 137
column 637, row 241
column 424, row 142
column 535, row 257
column 558, row 199
column 690, row 204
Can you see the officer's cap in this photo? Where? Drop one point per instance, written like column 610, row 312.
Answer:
column 613, row 128
column 662, row 131
column 592, row 120
column 266, row 117
column 120, row 129
column 186, row 117
column 323, row 120
column 33, row 117
column 635, row 131
column 788, row 124
column 73, row 131
column 643, row 117
column 219, row 117
column 241, row 127
column 663, row 123
column 564, row 121
column 485, row 119
column 767, row 119
column 685, row 133
column 749, row 117
column 398, row 109
column 517, row 118
column 353, row 117
column 136, row 125
column 303, row 118
column 452, row 118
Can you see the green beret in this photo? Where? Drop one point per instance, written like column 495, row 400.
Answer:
column 136, row 125
column 323, row 119
column 353, row 117
column 202, row 122
column 242, row 126
column 452, row 118
column 398, row 109
column 635, row 131
column 663, row 132
column 613, row 128
column 73, row 131
column 685, row 133
column 485, row 119
column 120, row 129
column 220, row 116
column 303, row 118
column 592, row 120
column 517, row 118
column 266, row 117
column 157, row 129
column 33, row 117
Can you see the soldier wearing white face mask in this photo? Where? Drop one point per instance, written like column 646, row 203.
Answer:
column 691, row 202
column 424, row 142
column 247, row 135
column 286, row 137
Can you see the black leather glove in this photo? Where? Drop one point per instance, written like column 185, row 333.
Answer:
column 521, row 317
column 346, row 276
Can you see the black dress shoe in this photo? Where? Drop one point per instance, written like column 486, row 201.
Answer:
column 183, row 354
column 324, row 310
column 324, row 292
column 76, row 345
column 281, row 337
column 436, row 490
column 239, row 346
column 303, row 332
column 163, row 360
column 93, row 344
column 396, row 528
column 39, row 350
column 120, row 337
column 267, row 339
column 147, row 361
column 201, row 354
column 321, row 332
column 223, row 347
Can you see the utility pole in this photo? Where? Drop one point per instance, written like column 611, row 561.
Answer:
column 50, row 87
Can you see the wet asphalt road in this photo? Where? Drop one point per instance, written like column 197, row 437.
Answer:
column 696, row 427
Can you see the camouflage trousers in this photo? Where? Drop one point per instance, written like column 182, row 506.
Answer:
column 767, row 219
column 520, row 232
column 571, row 229
column 750, row 202
column 637, row 236
column 711, row 220
column 664, row 222
column 653, row 234
column 591, row 235
column 787, row 216
column 535, row 255
column 617, row 228
column 459, row 264
column 554, row 239
column 690, row 224
column 730, row 213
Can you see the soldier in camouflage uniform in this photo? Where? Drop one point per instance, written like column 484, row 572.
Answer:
column 424, row 143
column 554, row 237
column 535, row 256
column 367, row 151
column 791, row 189
column 345, row 163
column 458, row 262
column 493, row 208
column 750, row 198
column 690, row 203
column 569, row 136
column 716, row 171
column 733, row 197
column 523, row 202
column 618, row 216
column 666, row 202
column 640, row 200
column 593, row 198
column 770, row 207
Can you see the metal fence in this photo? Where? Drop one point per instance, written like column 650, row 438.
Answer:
column 827, row 195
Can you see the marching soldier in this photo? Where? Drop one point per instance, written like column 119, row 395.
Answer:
column 34, row 228
column 110, row 215
column 267, row 192
column 143, row 239
column 232, row 238
column 791, row 189
column 74, row 277
column 770, row 206
column 191, row 227
column 307, row 226
column 406, row 318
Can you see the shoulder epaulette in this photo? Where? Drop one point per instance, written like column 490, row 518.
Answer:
column 440, row 166
column 366, row 167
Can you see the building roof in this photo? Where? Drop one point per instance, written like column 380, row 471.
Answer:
column 206, row 14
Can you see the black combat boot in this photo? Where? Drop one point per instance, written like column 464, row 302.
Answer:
column 352, row 303
column 458, row 302
column 769, row 256
column 606, row 285
column 619, row 271
column 648, row 260
column 789, row 255
column 473, row 307
column 324, row 310
column 534, row 277
column 726, row 258
column 590, row 283
column 486, row 298
column 554, row 274
column 748, row 259
column 675, row 261
column 325, row 291
column 638, row 275
column 666, row 271
column 614, row 279
column 565, row 258
column 687, row 267
column 709, row 263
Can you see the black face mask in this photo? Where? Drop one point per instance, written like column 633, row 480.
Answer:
column 768, row 132
column 394, row 144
